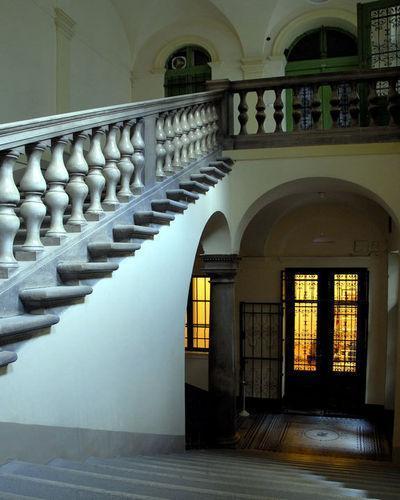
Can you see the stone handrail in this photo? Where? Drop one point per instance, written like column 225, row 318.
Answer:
column 114, row 153
column 363, row 105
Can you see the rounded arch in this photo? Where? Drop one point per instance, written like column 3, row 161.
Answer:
column 216, row 235
column 339, row 18
column 182, row 41
column 306, row 185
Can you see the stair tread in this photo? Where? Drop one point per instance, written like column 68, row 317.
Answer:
column 112, row 248
column 213, row 171
column 204, row 179
column 101, row 266
column 167, row 490
column 194, row 185
column 7, row 357
column 221, row 165
column 180, row 194
column 52, row 292
column 167, row 204
column 152, row 217
column 223, row 484
column 23, row 323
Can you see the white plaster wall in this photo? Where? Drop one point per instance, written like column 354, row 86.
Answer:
column 100, row 57
column 116, row 362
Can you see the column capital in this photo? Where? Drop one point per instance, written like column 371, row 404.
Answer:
column 220, row 266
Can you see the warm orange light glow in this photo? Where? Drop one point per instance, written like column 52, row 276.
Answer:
column 305, row 322
column 200, row 316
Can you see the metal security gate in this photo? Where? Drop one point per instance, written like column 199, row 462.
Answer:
column 261, row 350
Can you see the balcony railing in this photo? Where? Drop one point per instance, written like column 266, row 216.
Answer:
column 330, row 108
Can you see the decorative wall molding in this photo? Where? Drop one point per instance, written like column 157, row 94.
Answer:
column 64, row 23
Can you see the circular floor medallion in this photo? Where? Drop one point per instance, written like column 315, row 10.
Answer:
column 321, row 435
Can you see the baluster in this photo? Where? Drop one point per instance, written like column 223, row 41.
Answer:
column 185, row 139
column 138, row 157
column 95, row 179
column 33, row 185
column 111, row 173
column 335, row 105
column 176, row 162
column 204, row 131
column 125, row 165
column 243, row 116
column 260, row 111
column 57, row 177
column 297, row 109
column 192, row 134
column 393, row 103
column 373, row 107
column 278, row 110
column 215, row 126
column 354, row 105
column 199, row 135
column 169, row 146
column 315, row 107
column 160, row 149
column 76, row 187
column 9, row 199
column 210, row 118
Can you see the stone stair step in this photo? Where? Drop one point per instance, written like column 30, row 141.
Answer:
column 57, row 490
column 7, row 357
column 194, row 186
column 213, row 171
column 166, row 205
column 149, row 487
column 182, row 195
column 85, row 270
column 216, row 483
column 208, row 475
column 204, row 179
column 129, row 231
column 152, row 217
column 227, row 160
column 112, row 249
column 13, row 328
column 35, row 298
column 221, row 165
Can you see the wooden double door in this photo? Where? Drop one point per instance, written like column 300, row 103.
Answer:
column 326, row 340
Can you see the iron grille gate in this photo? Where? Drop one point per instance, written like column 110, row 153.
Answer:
column 261, row 350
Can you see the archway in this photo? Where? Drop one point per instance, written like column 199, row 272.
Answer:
column 317, row 225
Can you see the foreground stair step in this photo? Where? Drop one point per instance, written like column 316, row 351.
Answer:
column 167, row 205
column 152, row 217
column 164, row 489
column 15, row 327
column 55, row 490
column 7, row 357
column 215, row 483
column 112, row 249
column 207, row 475
column 85, row 270
column 227, row 160
column 129, row 231
column 182, row 195
column 204, row 179
column 213, row 171
column 195, row 186
column 36, row 298
column 221, row 165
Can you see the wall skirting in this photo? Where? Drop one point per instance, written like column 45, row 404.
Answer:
column 40, row 443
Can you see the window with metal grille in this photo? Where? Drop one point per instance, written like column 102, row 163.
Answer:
column 197, row 325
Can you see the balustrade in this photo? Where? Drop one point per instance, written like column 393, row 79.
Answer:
column 107, row 152
column 323, row 108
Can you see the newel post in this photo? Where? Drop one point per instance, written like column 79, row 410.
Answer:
column 222, row 271
column 225, row 108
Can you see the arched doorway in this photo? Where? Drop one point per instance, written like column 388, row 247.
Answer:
column 322, row 50
column 187, row 71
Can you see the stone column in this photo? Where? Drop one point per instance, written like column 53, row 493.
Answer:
column 222, row 377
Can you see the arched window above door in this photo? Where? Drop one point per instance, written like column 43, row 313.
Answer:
column 187, row 71
column 322, row 43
